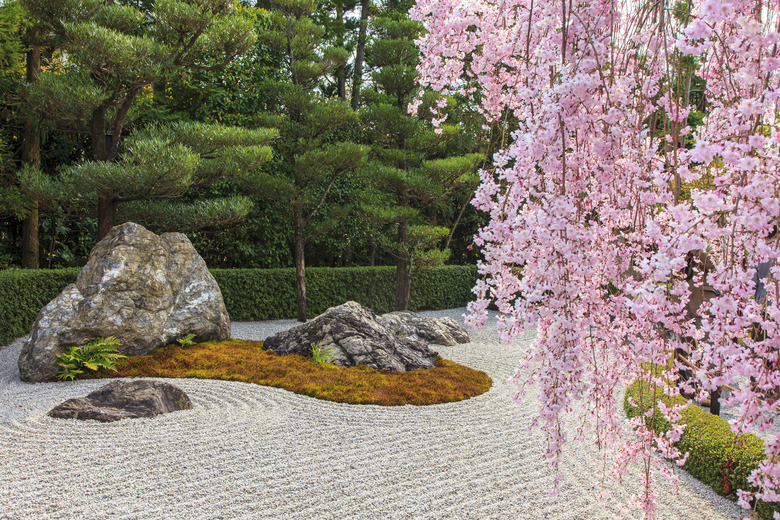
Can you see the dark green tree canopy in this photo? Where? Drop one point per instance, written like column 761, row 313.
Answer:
column 310, row 156
column 412, row 166
column 113, row 53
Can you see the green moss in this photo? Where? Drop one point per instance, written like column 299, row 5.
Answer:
column 249, row 362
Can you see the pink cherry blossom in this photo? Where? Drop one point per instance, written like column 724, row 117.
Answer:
column 589, row 226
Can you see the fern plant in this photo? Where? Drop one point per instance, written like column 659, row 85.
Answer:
column 321, row 354
column 186, row 341
column 98, row 353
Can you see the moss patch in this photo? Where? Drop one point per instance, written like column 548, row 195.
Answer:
column 249, row 362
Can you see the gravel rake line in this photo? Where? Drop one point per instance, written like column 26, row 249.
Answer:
column 252, row 452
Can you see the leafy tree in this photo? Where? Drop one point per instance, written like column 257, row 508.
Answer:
column 230, row 95
column 412, row 166
column 161, row 163
column 340, row 28
column 360, row 52
column 115, row 51
column 20, row 38
column 10, row 41
column 310, row 158
column 590, row 204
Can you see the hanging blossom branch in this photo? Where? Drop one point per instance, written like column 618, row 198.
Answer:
column 589, row 226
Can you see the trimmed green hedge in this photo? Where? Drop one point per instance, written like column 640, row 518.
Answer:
column 23, row 293
column 257, row 294
column 717, row 456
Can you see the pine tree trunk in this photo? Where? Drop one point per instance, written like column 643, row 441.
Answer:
column 30, row 249
column 402, row 269
column 106, row 215
column 106, row 202
column 408, row 282
column 341, row 71
column 300, row 266
column 97, row 133
column 342, row 82
column 31, row 154
column 360, row 53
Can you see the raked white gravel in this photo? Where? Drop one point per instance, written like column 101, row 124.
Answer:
column 252, row 452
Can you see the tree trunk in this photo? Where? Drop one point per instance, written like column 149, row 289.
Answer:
column 30, row 248
column 106, row 215
column 341, row 71
column 341, row 77
column 402, row 269
column 715, row 401
column 360, row 53
column 300, row 266
column 97, row 132
column 99, row 147
column 31, row 154
column 408, row 282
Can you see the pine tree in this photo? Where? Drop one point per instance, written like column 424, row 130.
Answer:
column 360, row 53
column 20, row 38
column 115, row 52
column 310, row 157
column 161, row 163
column 412, row 167
column 340, row 33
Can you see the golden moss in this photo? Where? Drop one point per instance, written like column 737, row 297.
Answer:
column 249, row 362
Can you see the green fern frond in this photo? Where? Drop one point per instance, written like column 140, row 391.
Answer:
column 186, row 341
column 98, row 353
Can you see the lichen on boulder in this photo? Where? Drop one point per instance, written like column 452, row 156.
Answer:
column 442, row 331
column 354, row 336
column 145, row 289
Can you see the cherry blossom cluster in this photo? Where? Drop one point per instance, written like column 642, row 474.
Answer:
column 610, row 203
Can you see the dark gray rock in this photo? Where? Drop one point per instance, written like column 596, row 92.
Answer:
column 146, row 290
column 355, row 337
column 442, row 331
column 125, row 400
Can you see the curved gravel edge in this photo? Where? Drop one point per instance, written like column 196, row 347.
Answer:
column 249, row 452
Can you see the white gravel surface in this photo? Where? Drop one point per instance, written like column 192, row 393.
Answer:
column 252, row 452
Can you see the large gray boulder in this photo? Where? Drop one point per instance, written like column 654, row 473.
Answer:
column 146, row 290
column 125, row 400
column 355, row 337
column 442, row 331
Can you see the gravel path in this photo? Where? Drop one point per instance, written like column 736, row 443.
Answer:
column 251, row 452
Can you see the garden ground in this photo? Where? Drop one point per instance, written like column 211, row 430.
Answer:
column 248, row 452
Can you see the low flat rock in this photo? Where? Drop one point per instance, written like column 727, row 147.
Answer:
column 354, row 336
column 442, row 331
column 125, row 400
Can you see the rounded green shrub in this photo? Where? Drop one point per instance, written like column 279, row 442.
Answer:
column 717, row 456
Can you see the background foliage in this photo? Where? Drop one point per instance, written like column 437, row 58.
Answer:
column 240, row 95
column 255, row 294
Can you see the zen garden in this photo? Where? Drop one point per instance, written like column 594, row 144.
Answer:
column 387, row 259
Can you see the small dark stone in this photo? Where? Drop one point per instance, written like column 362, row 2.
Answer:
column 442, row 331
column 354, row 337
column 124, row 400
